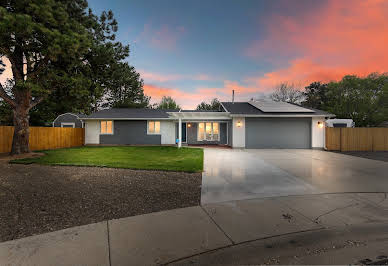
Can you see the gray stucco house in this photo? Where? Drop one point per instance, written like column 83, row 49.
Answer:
column 254, row 124
column 69, row 120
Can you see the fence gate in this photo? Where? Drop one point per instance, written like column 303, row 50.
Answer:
column 356, row 139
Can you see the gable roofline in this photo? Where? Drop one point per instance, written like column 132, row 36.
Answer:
column 66, row 114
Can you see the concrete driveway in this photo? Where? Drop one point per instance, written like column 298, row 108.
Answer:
column 244, row 174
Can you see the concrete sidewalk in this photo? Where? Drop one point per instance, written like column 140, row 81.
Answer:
column 169, row 236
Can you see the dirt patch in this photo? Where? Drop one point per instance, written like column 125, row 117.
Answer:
column 5, row 157
column 36, row 199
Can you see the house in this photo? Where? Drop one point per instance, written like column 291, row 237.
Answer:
column 254, row 124
column 69, row 120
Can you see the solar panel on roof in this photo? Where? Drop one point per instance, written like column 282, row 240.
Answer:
column 269, row 106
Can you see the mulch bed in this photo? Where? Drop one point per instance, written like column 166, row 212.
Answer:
column 37, row 199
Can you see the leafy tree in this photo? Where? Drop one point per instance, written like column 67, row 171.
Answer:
column 213, row 105
column 64, row 57
column 168, row 103
column 34, row 34
column 315, row 95
column 365, row 100
column 126, row 89
column 287, row 92
column 6, row 116
column 96, row 68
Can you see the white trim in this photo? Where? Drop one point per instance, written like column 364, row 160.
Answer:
column 113, row 127
column 150, row 133
column 226, row 110
column 66, row 114
column 180, row 132
column 68, row 124
column 211, row 120
column 201, row 115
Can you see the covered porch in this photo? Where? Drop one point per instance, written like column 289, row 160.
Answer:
column 203, row 128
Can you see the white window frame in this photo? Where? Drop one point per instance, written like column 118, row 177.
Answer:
column 148, row 127
column 67, row 124
column 212, row 134
column 113, row 127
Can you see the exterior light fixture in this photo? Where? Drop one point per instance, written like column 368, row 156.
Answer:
column 239, row 124
column 320, row 124
column 188, row 125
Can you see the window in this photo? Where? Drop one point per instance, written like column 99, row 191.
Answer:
column 106, row 127
column 153, row 127
column 63, row 124
column 208, row 131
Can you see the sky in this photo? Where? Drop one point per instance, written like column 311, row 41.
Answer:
column 196, row 50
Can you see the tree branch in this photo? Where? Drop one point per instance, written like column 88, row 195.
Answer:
column 6, row 97
column 38, row 68
column 36, row 101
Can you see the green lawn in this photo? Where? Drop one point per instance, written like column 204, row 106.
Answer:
column 150, row 158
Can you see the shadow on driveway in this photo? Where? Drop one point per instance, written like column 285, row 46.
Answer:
column 374, row 155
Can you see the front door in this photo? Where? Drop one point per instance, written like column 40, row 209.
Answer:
column 184, row 137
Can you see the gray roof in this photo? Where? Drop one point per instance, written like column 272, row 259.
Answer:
column 123, row 113
column 244, row 108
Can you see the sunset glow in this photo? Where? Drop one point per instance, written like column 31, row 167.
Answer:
column 194, row 51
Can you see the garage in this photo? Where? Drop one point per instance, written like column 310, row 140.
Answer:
column 278, row 133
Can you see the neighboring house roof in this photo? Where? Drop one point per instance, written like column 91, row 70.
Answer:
column 130, row 113
column 76, row 115
column 246, row 109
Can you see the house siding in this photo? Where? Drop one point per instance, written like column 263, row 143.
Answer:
column 130, row 132
column 67, row 118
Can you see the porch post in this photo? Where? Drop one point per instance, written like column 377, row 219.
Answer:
column 180, row 133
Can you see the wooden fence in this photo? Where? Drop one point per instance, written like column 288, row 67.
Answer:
column 357, row 139
column 44, row 138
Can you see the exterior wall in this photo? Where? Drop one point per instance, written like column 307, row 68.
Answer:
column 92, row 132
column 278, row 133
column 192, row 134
column 238, row 133
column 167, row 131
column 130, row 132
column 67, row 118
column 317, row 134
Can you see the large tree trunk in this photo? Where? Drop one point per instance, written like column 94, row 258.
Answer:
column 20, row 142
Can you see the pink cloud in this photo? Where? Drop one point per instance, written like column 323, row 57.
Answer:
column 344, row 37
column 7, row 74
column 152, row 76
column 159, row 77
column 186, row 99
